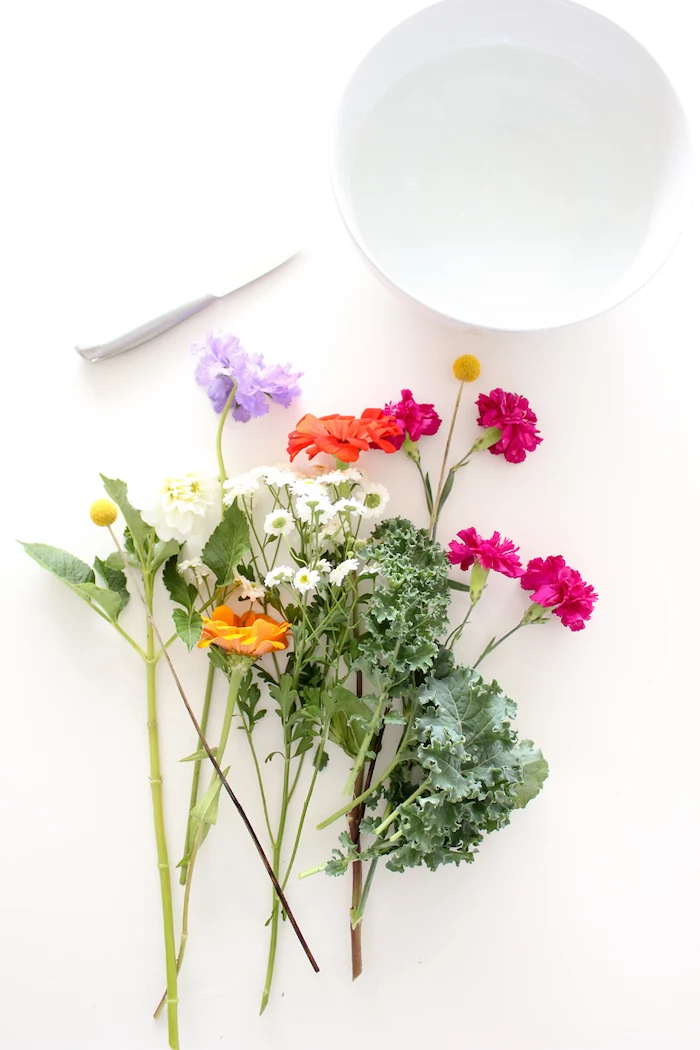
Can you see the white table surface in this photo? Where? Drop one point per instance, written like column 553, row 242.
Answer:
column 577, row 927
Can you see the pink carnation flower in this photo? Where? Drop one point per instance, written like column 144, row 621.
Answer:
column 415, row 419
column 498, row 554
column 557, row 586
column 512, row 414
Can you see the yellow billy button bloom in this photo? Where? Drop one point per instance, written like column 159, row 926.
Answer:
column 103, row 512
column 467, row 368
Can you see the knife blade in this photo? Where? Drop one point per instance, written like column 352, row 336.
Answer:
column 132, row 333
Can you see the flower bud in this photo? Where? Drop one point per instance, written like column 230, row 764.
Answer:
column 103, row 512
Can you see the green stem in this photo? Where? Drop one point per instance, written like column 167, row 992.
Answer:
column 276, row 855
column 220, row 431
column 438, row 491
column 360, row 909
column 307, row 800
column 237, row 674
column 495, row 644
column 159, row 823
column 398, row 757
column 364, row 748
column 120, row 630
column 197, row 770
column 455, row 635
column 258, row 773
column 395, row 812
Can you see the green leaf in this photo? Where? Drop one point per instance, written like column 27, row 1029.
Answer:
column 227, row 544
column 197, row 756
column 71, row 570
column 117, row 491
column 77, row 575
column 162, row 550
column 110, row 601
column 457, row 585
column 285, row 694
column 181, row 592
column 188, row 626
column 490, row 437
column 207, row 809
column 394, row 718
column 115, row 578
column 535, row 772
column 446, row 489
column 218, row 657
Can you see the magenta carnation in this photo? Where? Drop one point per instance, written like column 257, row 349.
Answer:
column 498, row 554
column 415, row 419
column 512, row 414
column 559, row 587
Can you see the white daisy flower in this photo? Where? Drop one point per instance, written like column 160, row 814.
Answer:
column 331, row 529
column 372, row 568
column 307, row 580
column 323, row 565
column 193, row 569
column 248, row 588
column 376, row 498
column 337, row 477
column 279, row 522
column 305, row 485
column 280, row 476
column 342, row 570
column 278, row 575
column 314, row 505
column 243, row 485
column 184, row 506
column 350, row 506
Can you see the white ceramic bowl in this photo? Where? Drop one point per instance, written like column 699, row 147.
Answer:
column 512, row 164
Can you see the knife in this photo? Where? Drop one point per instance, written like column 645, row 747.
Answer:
column 256, row 265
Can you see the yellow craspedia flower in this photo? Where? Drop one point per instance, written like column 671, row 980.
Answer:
column 467, row 368
column 103, row 512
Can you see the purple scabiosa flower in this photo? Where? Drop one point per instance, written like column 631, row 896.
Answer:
column 222, row 361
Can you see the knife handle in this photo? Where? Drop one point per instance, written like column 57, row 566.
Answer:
column 144, row 332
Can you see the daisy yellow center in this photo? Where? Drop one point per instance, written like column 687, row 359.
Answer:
column 467, row 368
column 372, row 500
column 279, row 523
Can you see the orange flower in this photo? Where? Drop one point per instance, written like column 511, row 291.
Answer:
column 252, row 634
column 343, row 436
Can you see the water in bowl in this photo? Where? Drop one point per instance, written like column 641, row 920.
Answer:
column 504, row 186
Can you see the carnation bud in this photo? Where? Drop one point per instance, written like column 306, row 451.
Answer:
column 490, row 436
column 411, row 449
column 477, row 582
column 535, row 614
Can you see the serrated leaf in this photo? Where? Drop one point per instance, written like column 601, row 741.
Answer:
column 117, row 491
column 535, row 772
column 181, row 592
column 66, row 566
column 394, row 718
column 162, row 550
column 218, row 657
column 188, row 626
column 115, row 578
column 285, row 694
column 77, row 575
column 109, row 601
column 227, row 544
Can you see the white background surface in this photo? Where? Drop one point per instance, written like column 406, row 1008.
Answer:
column 131, row 131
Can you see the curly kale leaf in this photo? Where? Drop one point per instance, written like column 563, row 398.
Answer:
column 471, row 767
column 407, row 612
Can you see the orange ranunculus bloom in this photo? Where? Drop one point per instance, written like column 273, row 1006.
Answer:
column 344, row 436
column 252, row 634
